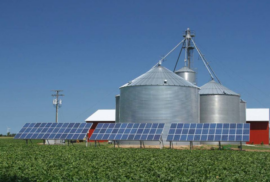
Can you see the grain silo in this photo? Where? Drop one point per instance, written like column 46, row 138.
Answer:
column 188, row 74
column 243, row 107
column 219, row 104
column 159, row 96
column 117, row 113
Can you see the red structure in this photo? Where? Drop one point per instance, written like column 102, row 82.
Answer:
column 259, row 132
column 100, row 116
column 92, row 130
column 259, row 125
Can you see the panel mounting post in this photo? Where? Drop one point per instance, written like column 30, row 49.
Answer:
column 241, row 146
column 161, row 142
column 219, row 145
column 191, row 145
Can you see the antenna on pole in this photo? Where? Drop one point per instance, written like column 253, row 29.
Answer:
column 57, row 102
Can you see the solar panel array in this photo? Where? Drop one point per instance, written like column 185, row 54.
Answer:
column 128, row 131
column 64, row 131
column 209, row 132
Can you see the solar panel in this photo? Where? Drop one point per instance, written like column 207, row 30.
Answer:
column 64, row 131
column 224, row 132
column 128, row 131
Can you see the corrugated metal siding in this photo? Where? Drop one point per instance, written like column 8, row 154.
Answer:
column 159, row 104
column 242, row 111
column 220, row 109
column 117, row 110
column 189, row 76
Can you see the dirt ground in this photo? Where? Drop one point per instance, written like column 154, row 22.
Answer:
column 187, row 147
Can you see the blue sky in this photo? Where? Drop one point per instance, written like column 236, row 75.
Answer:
column 90, row 48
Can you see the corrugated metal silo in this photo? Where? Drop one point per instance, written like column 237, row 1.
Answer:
column 188, row 74
column 117, row 112
column 159, row 96
column 243, row 107
column 218, row 105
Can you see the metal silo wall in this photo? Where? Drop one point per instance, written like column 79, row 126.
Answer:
column 243, row 107
column 219, row 109
column 189, row 76
column 117, row 111
column 159, row 104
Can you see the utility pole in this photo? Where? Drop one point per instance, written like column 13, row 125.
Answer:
column 57, row 102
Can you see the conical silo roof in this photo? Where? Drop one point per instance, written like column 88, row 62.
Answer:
column 214, row 88
column 184, row 69
column 159, row 75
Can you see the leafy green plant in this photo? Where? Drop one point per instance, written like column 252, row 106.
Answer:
column 34, row 162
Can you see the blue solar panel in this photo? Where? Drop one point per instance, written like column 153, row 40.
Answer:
column 64, row 131
column 209, row 132
column 128, row 131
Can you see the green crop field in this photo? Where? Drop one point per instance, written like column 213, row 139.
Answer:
column 33, row 162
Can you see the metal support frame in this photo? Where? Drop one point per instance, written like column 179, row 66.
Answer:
column 191, row 145
column 95, row 143
column 219, row 145
column 241, row 147
column 171, row 145
column 161, row 142
column 48, row 142
column 179, row 56
column 204, row 62
column 43, row 142
column 162, row 59
column 208, row 67
column 26, row 141
column 114, row 143
column 187, row 40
